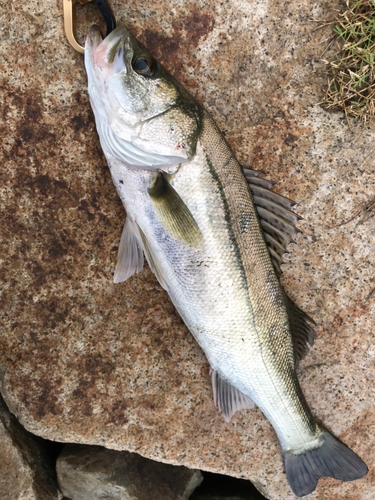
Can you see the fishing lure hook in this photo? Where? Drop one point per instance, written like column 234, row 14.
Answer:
column 70, row 20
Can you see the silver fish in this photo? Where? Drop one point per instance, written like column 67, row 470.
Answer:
column 214, row 235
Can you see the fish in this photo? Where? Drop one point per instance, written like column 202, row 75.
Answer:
column 214, row 234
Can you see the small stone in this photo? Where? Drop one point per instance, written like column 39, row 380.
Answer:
column 25, row 473
column 93, row 473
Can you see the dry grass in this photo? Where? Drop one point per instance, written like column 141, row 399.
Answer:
column 352, row 83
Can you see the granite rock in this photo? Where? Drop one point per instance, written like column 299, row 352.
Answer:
column 83, row 360
column 95, row 473
column 25, row 470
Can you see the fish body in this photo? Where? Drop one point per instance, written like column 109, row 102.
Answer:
column 190, row 211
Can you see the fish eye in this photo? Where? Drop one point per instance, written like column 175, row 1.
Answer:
column 144, row 65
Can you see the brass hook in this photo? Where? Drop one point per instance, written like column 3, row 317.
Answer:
column 70, row 20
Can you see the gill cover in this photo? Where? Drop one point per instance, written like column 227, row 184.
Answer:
column 144, row 117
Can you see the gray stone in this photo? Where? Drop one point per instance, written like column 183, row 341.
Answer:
column 25, row 471
column 95, row 473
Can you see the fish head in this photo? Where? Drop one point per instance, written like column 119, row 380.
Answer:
column 144, row 117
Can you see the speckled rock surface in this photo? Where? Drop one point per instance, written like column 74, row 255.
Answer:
column 83, row 360
column 95, row 473
column 25, row 471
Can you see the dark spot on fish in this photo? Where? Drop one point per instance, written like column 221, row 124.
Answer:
column 229, row 161
column 244, row 220
column 272, row 331
column 121, row 181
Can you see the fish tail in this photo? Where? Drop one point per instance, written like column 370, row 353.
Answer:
column 332, row 458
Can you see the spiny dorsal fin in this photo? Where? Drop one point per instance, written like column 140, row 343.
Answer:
column 277, row 220
column 227, row 398
column 130, row 252
column 302, row 333
column 173, row 213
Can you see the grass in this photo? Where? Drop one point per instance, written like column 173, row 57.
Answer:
column 351, row 86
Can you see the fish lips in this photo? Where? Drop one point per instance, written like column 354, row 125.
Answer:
column 106, row 54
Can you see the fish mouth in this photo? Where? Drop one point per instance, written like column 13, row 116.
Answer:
column 94, row 38
column 102, row 52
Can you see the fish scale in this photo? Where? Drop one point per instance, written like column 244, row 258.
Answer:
column 190, row 210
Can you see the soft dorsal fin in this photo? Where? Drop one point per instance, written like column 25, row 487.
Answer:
column 173, row 213
column 227, row 398
column 130, row 252
column 278, row 222
column 279, row 226
column 302, row 333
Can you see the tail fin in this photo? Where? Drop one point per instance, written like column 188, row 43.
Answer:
column 331, row 459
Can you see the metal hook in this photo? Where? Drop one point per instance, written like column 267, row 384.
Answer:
column 70, row 20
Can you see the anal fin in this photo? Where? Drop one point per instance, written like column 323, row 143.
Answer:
column 130, row 252
column 227, row 398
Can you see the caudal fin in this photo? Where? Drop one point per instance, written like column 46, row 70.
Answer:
column 332, row 459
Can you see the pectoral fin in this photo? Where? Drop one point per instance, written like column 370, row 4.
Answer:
column 173, row 213
column 228, row 398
